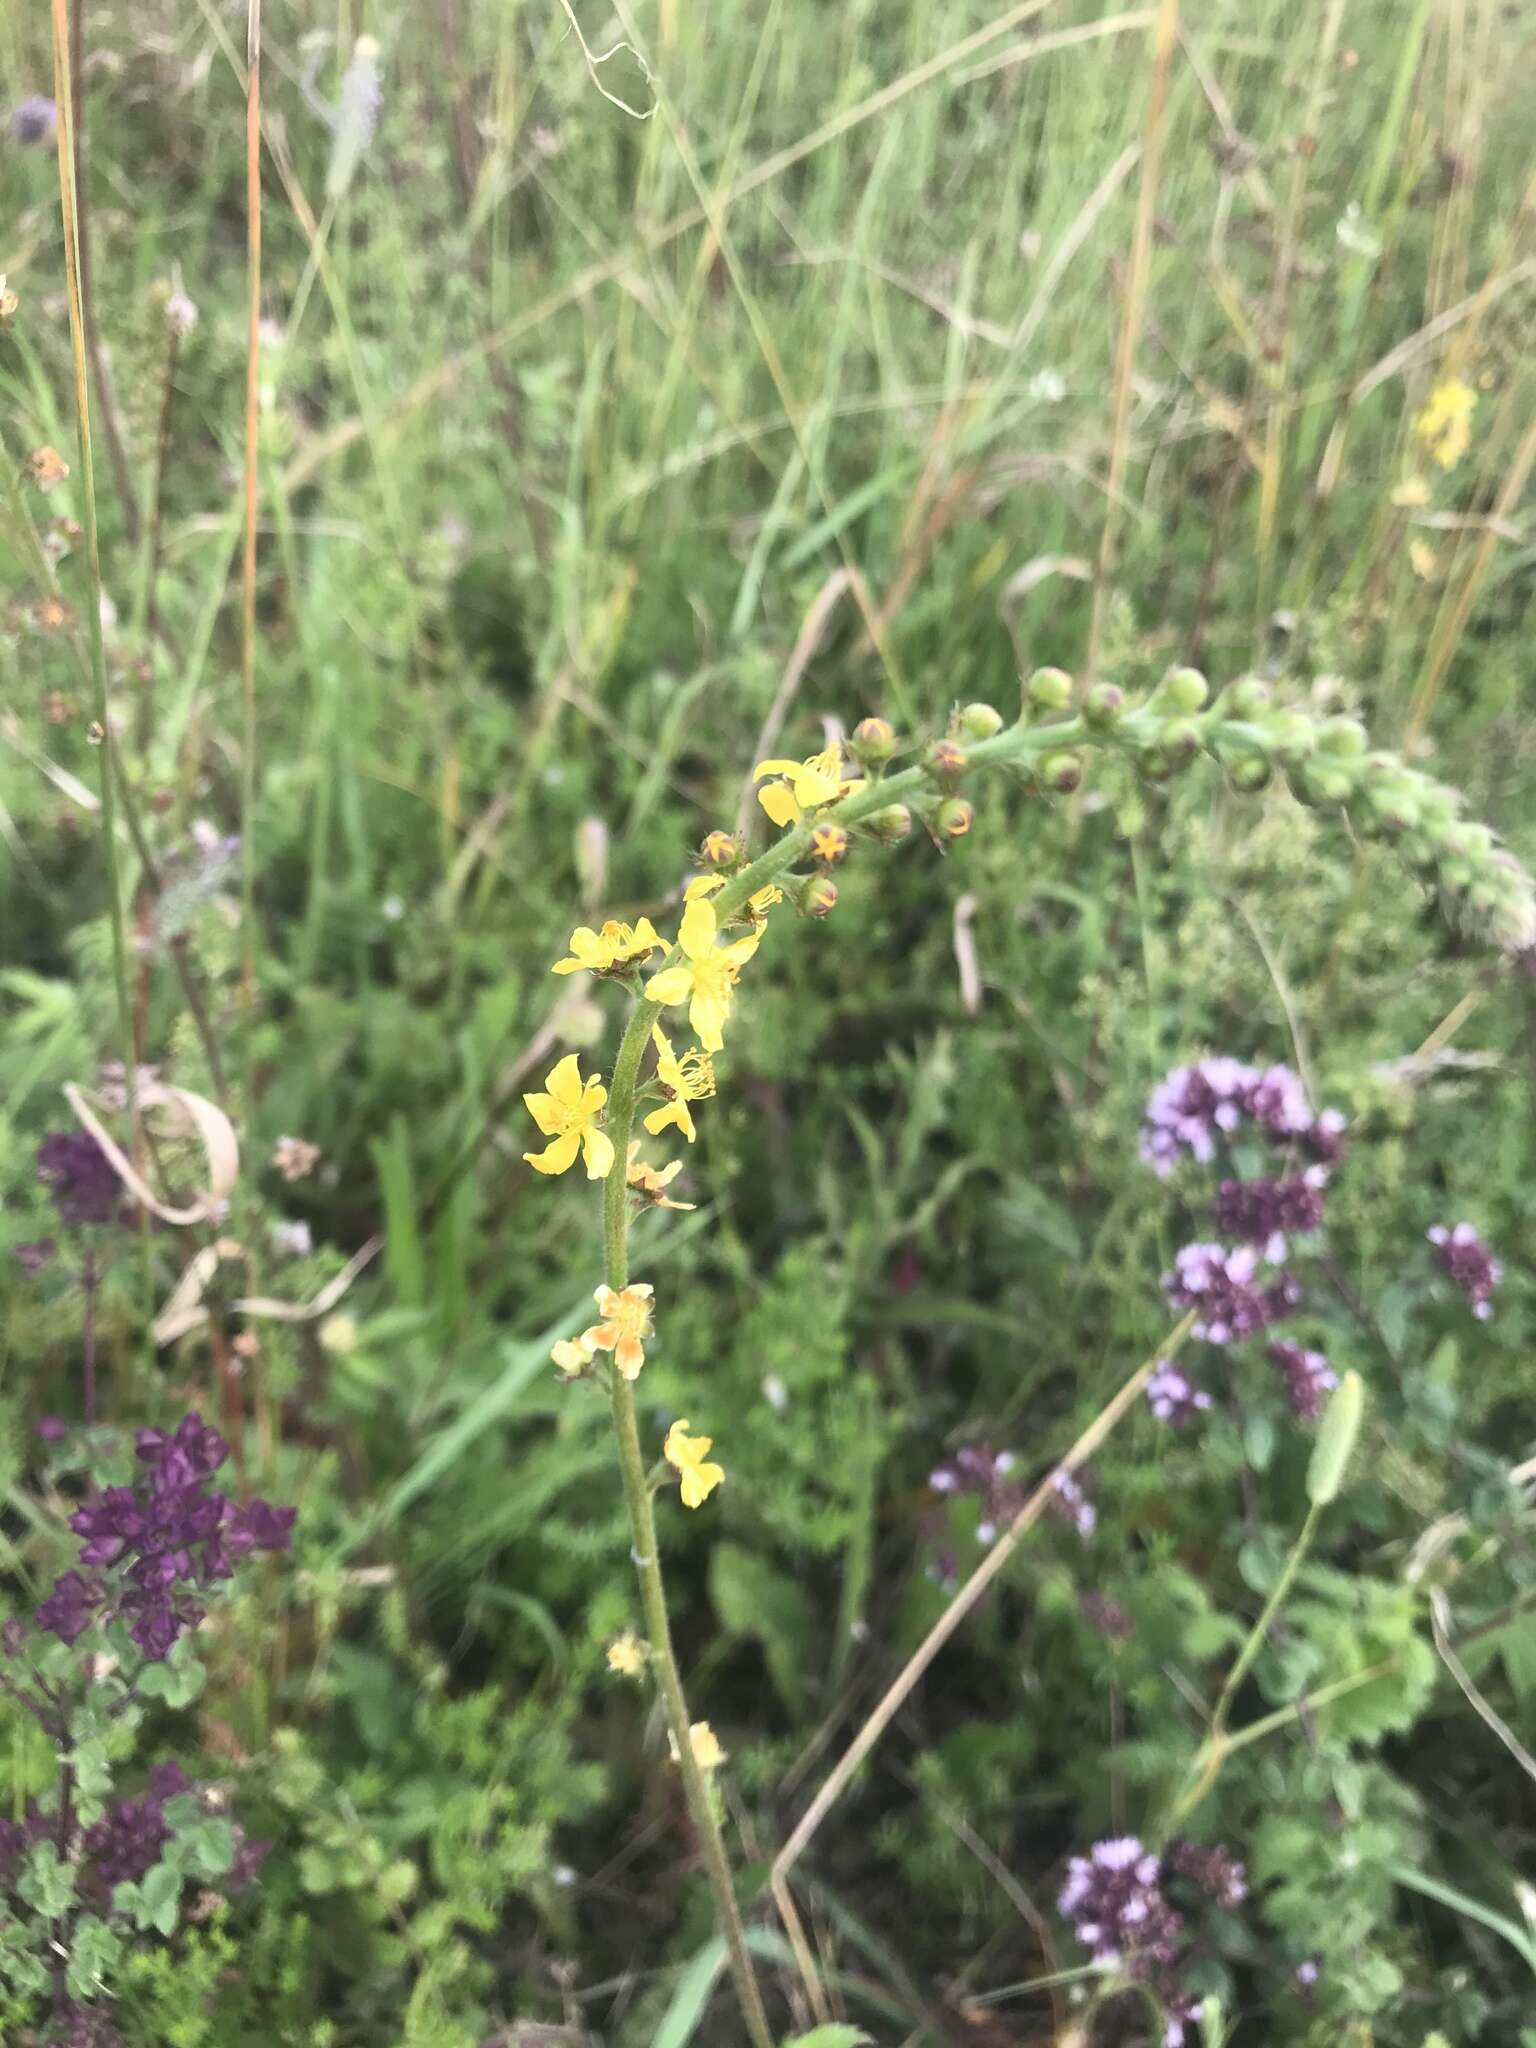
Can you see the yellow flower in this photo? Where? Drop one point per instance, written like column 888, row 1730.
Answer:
column 756, row 907
column 705, row 977
column 685, row 1080
column 688, row 1453
column 627, row 1655
column 1426, row 563
column 1445, row 424
column 704, row 1743
column 1411, row 493
column 806, row 785
column 567, row 1116
column 614, row 945
column 651, row 1182
column 573, row 1355
column 625, row 1326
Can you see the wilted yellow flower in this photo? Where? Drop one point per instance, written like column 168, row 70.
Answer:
column 627, row 1654
column 1445, row 424
column 573, row 1355
column 685, row 1080
column 295, row 1158
column 1426, row 562
column 612, row 945
column 651, row 1182
column 806, row 785
column 705, row 977
column 46, row 467
column 704, row 1743
column 567, row 1116
column 698, row 1480
column 626, row 1314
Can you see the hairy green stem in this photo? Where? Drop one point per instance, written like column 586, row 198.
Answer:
column 642, row 1522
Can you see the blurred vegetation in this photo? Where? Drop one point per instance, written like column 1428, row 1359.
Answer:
column 596, row 453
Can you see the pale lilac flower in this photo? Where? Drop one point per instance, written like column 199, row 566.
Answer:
column 1197, row 1107
column 35, row 120
column 1073, row 1502
column 1221, row 1285
column 1174, row 1398
column 1307, row 1376
column 1461, row 1254
column 292, row 1240
column 1114, row 1901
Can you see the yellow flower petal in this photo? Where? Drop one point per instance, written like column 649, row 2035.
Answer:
column 670, row 986
column 546, row 1113
column 696, row 934
column 597, row 1149
column 707, row 1014
column 675, row 1112
column 778, row 800
column 565, row 1083
column 557, row 1155
column 703, row 885
column 775, row 768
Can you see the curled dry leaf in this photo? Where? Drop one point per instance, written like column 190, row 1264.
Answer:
column 184, row 1312
column 221, row 1148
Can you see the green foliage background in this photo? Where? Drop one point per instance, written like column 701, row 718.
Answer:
column 553, row 477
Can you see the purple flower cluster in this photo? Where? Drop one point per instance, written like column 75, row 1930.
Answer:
column 152, row 1548
column 1223, row 1286
column 1115, row 1900
column 80, row 1177
column 1197, row 1106
column 1267, row 1212
column 976, row 1469
column 1172, row 1397
column 1461, row 1254
column 1307, row 1376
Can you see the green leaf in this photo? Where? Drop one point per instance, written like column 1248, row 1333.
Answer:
column 159, row 1899
column 833, row 2036
column 46, row 1884
column 1336, row 1437
column 753, row 1599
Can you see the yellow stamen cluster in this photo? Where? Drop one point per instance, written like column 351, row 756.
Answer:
column 685, row 1080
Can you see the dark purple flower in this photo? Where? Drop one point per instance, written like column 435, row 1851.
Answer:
column 1220, row 1284
column 35, row 120
column 1307, row 1376
column 1266, row 1212
column 164, row 1539
column 1461, row 1254
column 32, row 1258
column 84, row 2026
column 1215, row 1870
column 81, row 1178
column 127, row 1840
column 1174, row 1398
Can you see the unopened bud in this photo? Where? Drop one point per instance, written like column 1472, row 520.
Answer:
column 1248, row 698
column 1323, row 782
column 1061, row 773
column 1180, row 740
column 945, row 761
column 978, row 722
column 1103, row 705
column 721, row 850
column 829, row 842
column 1250, row 773
column 952, row 820
column 1185, row 689
column 1049, row 689
column 890, row 825
column 819, row 897
column 873, row 741
column 1345, row 736
column 1292, row 738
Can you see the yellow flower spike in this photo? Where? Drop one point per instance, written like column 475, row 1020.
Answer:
column 704, row 1743
column 685, row 1080
column 614, row 945
column 705, row 977
column 1445, row 424
column 805, row 787
column 567, row 1116
column 698, row 1480
column 625, row 1325
column 650, row 1183
column 627, row 1654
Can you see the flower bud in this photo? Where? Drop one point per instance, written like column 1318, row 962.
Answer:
column 828, row 842
column 945, row 761
column 978, row 722
column 1061, row 773
column 1048, row 689
column 873, row 742
column 1248, row 698
column 891, row 825
column 1103, row 705
column 819, row 897
column 1345, row 736
column 1185, row 689
column 1250, row 773
column 1323, row 782
column 952, row 820
column 721, row 850
column 1291, row 737
column 1336, row 1437
column 1180, row 740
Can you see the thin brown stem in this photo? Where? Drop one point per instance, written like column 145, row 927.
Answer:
column 111, row 425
